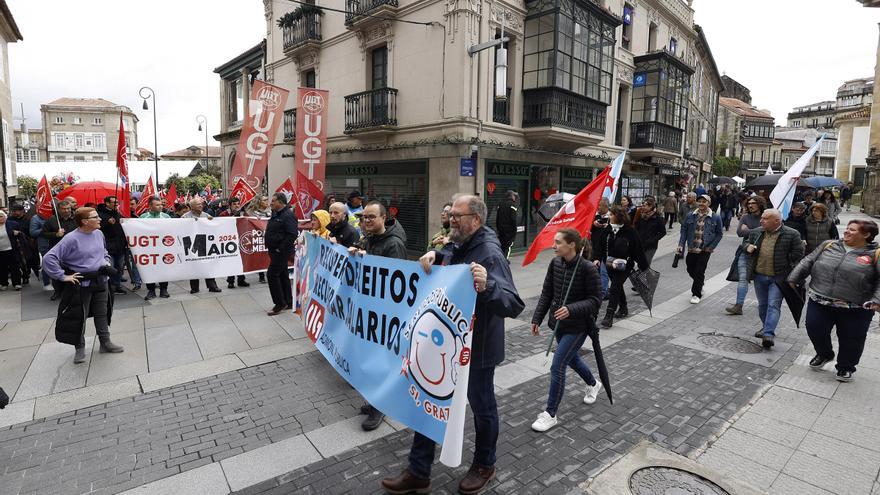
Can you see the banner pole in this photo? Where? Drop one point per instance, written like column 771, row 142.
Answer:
column 564, row 300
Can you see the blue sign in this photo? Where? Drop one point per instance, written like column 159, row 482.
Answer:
column 627, row 15
column 640, row 79
column 468, row 167
column 398, row 335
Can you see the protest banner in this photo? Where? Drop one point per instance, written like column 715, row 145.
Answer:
column 399, row 336
column 264, row 115
column 311, row 149
column 183, row 248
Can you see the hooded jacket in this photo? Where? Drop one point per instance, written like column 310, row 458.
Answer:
column 345, row 234
column 114, row 236
column 583, row 299
column 390, row 244
column 323, row 220
column 500, row 300
column 852, row 276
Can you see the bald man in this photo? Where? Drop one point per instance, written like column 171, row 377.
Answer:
column 341, row 231
column 773, row 250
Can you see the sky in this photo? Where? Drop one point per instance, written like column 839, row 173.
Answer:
column 788, row 52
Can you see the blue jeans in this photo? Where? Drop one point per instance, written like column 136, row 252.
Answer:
column 742, row 287
column 769, row 301
column 481, row 396
column 603, row 279
column 119, row 264
column 566, row 355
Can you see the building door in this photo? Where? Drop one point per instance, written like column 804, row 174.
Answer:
column 379, row 80
column 544, row 182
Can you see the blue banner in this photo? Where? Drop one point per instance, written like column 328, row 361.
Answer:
column 399, row 336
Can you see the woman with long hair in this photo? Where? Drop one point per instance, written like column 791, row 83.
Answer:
column 831, row 203
column 820, row 227
column 618, row 247
column 627, row 203
column 573, row 317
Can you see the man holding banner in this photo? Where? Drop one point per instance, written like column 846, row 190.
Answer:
column 475, row 244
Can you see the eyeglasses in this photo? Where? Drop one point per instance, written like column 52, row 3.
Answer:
column 458, row 216
column 369, row 217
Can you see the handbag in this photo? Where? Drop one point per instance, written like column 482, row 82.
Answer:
column 733, row 273
column 616, row 264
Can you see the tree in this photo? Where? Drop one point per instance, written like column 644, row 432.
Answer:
column 27, row 186
column 725, row 166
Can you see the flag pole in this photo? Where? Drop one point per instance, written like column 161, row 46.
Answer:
column 564, row 300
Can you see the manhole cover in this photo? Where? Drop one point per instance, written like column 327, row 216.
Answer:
column 730, row 344
column 671, row 481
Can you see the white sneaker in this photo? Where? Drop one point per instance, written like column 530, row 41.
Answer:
column 48, row 288
column 4, row 287
column 17, row 287
column 592, row 393
column 695, row 300
column 544, row 422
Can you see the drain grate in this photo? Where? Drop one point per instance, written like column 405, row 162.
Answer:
column 670, row 481
column 730, row 344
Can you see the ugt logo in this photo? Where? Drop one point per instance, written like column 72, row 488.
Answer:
column 314, row 320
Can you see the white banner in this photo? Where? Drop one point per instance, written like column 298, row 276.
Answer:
column 184, row 248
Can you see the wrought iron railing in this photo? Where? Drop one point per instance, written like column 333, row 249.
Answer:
column 308, row 28
column 655, row 135
column 501, row 110
column 356, row 8
column 290, row 124
column 558, row 107
column 373, row 108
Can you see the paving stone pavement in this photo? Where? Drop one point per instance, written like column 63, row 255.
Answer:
column 679, row 397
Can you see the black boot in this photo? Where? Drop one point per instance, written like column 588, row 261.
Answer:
column 623, row 312
column 608, row 320
column 374, row 419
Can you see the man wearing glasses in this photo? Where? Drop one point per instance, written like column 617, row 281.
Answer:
column 382, row 237
column 82, row 254
column 476, row 245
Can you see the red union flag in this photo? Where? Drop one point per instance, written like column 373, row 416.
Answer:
column 287, row 188
column 123, row 199
column 171, row 196
column 44, row 199
column 311, row 147
column 577, row 214
column 264, row 115
column 144, row 202
column 243, row 191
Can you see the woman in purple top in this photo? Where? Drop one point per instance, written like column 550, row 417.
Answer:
column 81, row 261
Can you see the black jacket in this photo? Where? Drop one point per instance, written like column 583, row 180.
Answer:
column 650, row 230
column 625, row 244
column 500, row 300
column 583, row 300
column 71, row 320
column 787, row 252
column 114, row 237
column 505, row 219
column 52, row 225
column 390, row 244
column 344, row 232
column 799, row 224
column 281, row 232
column 729, row 201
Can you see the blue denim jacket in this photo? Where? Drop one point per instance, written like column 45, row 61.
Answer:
column 712, row 231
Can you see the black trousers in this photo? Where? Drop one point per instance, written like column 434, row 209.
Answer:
column 9, row 266
column 852, row 328
column 163, row 286
column 616, row 294
column 670, row 218
column 696, row 268
column 210, row 283
column 232, row 280
column 506, row 241
column 279, row 280
column 96, row 303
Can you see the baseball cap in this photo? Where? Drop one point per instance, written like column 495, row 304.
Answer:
column 706, row 197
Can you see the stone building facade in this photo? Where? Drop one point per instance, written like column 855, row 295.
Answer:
column 586, row 79
column 9, row 33
column 86, row 129
column 747, row 133
column 30, row 145
column 814, row 116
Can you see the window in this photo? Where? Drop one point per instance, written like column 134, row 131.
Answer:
column 78, row 120
column 98, row 121
column 309, row 78
column 538, row 52
column 19, row 155
column 78, row 140
column 628, row 13
column 673, row 45
column 59, row 120
column 652, row 37
column 235, row 101
column 97, row 158
column 34, row 155
column 79, row 158
column 379, row 68
column 89, row 141
column 660, row 90
column 99, row 141
column 59, row 140
column 60, row 158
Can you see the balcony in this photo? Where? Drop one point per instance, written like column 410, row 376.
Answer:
column 557, row 118
column 355, row 10
column 374, row 110
column 303, row 34
column 654, row 139
column 289, row 125
column 501, row 110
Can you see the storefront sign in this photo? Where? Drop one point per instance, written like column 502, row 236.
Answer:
column 468, row 167
column 361, row 170
column 509, row 169
column 578, row 173
column 265, row 112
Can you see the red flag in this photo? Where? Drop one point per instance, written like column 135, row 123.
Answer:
column 264, row 116
column 243, row 191
column 171, row 197
column 123, row 197
column 44, row 199
column 287, row 188
column 307, row 198
column 311, row 134
column 577, row 214
column 144, row 203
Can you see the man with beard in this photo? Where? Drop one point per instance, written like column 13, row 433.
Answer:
column 340, row 229
column 476, row 245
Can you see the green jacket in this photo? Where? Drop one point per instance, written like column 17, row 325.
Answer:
column 149, row 214
column 787, row 253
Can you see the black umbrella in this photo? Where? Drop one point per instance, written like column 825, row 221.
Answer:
column 4, row 399
column 794, row 298
column 769, row 181
column 600, row 363
column 722, row 180
column 645, row 283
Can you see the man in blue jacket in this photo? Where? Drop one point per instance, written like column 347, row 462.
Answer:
column 700, row 234
column 477, row 245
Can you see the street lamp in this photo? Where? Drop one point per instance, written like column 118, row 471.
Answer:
column 152, row 94
column 203, row 123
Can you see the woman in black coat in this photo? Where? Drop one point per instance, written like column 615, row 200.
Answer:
column 574, row 317
column 618, row 246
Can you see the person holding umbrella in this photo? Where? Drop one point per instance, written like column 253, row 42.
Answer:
column 844, row 292
column 573, row 315
column 618, row 247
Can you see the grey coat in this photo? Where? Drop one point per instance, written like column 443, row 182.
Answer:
column 837, row 274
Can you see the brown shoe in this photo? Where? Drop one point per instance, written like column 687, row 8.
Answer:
column 476, row 479
column 406, row 482
column 275, row 311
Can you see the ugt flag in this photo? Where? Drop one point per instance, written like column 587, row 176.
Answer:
column 123, row 200
column 401, row 337
column 44, row 199
column 144, row 202
column 577, row 214
column 782, row 195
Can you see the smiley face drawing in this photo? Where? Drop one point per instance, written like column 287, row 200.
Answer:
column 433, row 356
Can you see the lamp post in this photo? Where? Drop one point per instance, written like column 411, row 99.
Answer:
column 203, row 124
column 152, row 94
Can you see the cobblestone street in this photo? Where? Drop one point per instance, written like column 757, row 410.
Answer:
column 291, row 425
